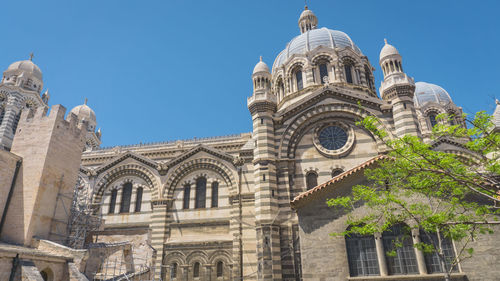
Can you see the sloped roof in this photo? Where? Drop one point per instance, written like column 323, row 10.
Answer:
column 299, row 199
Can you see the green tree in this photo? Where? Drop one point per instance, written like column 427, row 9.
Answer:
column 445, row 196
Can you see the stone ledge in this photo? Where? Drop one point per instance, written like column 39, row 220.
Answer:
column 423, row 277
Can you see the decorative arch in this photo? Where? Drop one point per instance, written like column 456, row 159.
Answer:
column 297, row 128
column 196, row 256
column 176, row 256
column 220, row 255
column 131, row 169
column 197, row 164
column 296, row 63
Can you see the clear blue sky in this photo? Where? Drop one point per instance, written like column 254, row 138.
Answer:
column 165, row 70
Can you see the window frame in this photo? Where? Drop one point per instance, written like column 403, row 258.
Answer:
column 126, row 198
column 186, row 198
column 405, row 258
column 200, row 200
column 215, row 195
column 360, row 257
column 112, row 201
column 310, row 182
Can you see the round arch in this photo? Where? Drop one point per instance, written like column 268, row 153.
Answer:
column 122, row 171
column 297, row 128
column 197, row 164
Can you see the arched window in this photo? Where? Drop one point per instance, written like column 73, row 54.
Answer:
column 323, row 72
column 173, row 271
column 138, row 199
column 368, row 78
column 336, row 172
column 348, row 73
column 112, row 201
column 311, row 180
column 215, row 194
column 187, row 191
column 126, row 197
column 281, row 89
column 404, row 260
column 432, row 261
column 201, row 193
column 432, row 119
column 362, row 255
column 220, row 269
column 196, row 270
column 298, row 79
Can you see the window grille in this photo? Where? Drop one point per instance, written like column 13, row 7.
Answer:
column 432, row 261
column 362, row 255
column 405, row 261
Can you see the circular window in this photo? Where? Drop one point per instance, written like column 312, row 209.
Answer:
column 332, row 137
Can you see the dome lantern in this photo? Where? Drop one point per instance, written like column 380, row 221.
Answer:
column 307, row 20
column 261, row 76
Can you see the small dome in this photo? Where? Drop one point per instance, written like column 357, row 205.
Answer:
column 261, row 67
column 84, row 112
column 26, row 66
column 312, row 39
column 388, row 50
column 426, row 92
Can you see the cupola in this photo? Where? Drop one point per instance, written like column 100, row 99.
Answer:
column 390, row 60
column 261, row 77
column 307, row 20
column 24, row 74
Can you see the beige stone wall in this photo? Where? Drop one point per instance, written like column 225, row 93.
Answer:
column 5, row 268
column 7, row 169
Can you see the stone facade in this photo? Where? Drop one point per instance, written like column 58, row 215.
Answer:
column 214, row 208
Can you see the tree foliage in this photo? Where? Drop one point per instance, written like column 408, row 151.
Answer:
column 446, row 193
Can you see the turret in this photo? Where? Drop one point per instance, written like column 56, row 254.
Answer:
column 307, row 20
column 262, row 106
column 398, row 89
column 87, row 117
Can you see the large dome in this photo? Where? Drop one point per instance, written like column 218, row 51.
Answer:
column 26, row 66
column 427, row 92
column 312, row 39
column 84, row 112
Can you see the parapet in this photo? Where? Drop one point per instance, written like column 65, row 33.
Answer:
column 56, row 116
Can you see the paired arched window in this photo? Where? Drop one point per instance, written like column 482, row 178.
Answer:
column 298, row 79
column 201, row 193
column 220, row 269
column 138, row 199
column 173, row 271
column 215, row 194
column 187, row 191
column 362, row 255
column 112, row 201
column 196, row 270
column 311, row 180
column 323, row 73
column 432, row 260
column 126, row 198
column 404, row 261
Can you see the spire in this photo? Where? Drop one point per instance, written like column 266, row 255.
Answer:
column 307, row 20
column 260, row 58
column 31, row 56
column 385, row 41
column 85, row 102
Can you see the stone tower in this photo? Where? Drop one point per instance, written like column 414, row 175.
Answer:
column 20, row 88
column 262, row 106
column 51, row 149
column 398, row 89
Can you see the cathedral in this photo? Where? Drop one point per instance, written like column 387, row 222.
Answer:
column 242, row 207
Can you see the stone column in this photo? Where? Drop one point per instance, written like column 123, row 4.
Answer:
column 208, row 272
column 422, row 269
column 159, row 233
column 380, row 254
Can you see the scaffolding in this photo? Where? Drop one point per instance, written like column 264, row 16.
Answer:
column 82, row 220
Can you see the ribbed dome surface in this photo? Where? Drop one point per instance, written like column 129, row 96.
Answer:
column 427, row 92
column 312, row 39
column 27, row 66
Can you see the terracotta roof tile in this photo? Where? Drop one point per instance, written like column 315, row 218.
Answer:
column 338, row 178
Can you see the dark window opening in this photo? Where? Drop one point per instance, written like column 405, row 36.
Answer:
column 432, row 260
column 215, row 194
column 311, row 180
column 138, row 199
column 196, row 270
column 432, row 119
column 220, row 269
column 173, row 271
column 187, row 191
column 336, row 172
column 112, row 201
column 348, row 73
column 126, row 196
column 298, row 77
column 323, row 72
column 201, row 193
